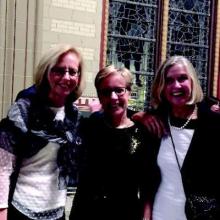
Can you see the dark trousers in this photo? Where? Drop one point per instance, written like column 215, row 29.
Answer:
column 14, row 214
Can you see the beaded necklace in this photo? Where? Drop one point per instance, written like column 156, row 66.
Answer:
column 186, row 123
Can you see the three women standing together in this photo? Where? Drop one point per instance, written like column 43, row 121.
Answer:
column 124, row 172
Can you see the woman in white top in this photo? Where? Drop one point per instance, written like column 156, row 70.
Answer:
column 39, row 140
column 188, row 156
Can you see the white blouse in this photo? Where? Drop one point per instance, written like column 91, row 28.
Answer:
column 170, row 198
column 37, row 187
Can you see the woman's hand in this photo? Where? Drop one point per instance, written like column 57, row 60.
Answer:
column 216, row 108
column 95, row 106
column 152, row 122
column 147, row 212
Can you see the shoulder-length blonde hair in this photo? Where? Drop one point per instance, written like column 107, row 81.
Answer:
column 110, row 70
column 49, row 60
column 160, row 77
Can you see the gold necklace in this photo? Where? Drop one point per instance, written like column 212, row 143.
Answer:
column 186, row 123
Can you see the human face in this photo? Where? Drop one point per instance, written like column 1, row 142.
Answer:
column 178, row 86
column 63, row 77
column 114, row 96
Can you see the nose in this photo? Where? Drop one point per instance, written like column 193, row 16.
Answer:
column 177, row 83
column 66, row 75
column 113, row 95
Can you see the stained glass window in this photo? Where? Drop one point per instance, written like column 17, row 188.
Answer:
column 188, row 33
column 132, row 39
column 132, row 43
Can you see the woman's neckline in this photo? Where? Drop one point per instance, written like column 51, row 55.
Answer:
column 128, row 124
column 187, row 120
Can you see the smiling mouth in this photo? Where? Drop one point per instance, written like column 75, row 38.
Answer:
column 177, row 94
column 64, row 86
column 114, row 106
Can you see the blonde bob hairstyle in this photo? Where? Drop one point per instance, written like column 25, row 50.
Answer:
column 50, row 59
column 112, row 70
column 160, row 77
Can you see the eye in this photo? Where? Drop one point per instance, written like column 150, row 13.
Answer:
column 169, row 80
column 58, row 70
column 73, row 72
column 120, row 91
column 61, row 71
column 183, row 78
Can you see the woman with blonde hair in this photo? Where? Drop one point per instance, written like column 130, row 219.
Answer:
column 116, row 181
column 39, row 139
column 188, row 154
